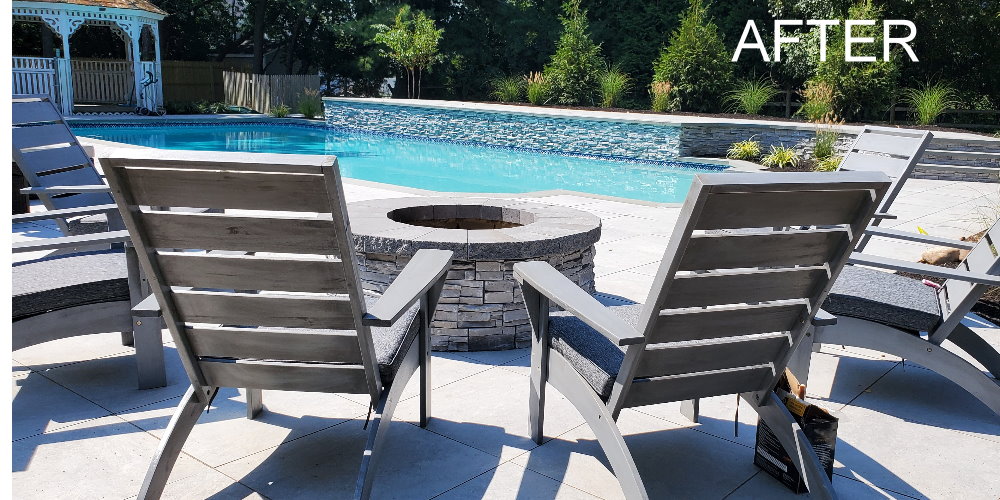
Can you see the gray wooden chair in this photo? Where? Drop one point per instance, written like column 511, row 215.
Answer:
column 292, row 315
column 725, row 312
column 902, row 316
column 892, row 151
column 56, row 166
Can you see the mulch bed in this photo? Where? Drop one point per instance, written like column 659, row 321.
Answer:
column 736, row 116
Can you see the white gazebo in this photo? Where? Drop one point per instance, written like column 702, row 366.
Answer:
column 131, row 83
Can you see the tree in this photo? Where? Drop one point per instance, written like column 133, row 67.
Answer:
column 413, row 43
column 576, row 64
column 863, row 90
column 696, row 62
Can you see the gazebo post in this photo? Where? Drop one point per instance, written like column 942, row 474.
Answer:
column 159, row 67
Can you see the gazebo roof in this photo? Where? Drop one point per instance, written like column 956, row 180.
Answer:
column 144, row 5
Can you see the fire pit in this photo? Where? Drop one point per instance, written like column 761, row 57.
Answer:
column 480, row 307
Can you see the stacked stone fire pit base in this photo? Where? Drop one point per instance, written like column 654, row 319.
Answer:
column 481, row 306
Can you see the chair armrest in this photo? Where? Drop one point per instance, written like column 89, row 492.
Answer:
column 883, row 216
column 425, row 269
column 71, row 241
column 148, row 308
column 919, row 238
column 53, row 190
column 925, row 269
column 559, row 289
column 66, row 212
column 823, row 318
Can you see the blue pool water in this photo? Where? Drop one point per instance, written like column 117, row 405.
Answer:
column 438, row 166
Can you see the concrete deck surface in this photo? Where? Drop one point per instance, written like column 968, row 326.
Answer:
column 82, row 430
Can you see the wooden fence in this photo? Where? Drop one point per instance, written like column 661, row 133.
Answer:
column 192, row 81
column 899, row 114
column 262, row 92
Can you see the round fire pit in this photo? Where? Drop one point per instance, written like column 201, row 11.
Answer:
column 480, row 307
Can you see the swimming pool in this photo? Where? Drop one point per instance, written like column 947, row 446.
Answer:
column 420, row 163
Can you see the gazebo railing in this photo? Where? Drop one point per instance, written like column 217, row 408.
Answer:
column 34, row 75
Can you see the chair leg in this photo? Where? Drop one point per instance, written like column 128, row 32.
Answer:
column 173, row 440
column 128, row 339
column 860, row 333
column 148, row 341
column 977, row 347
column 774, row 413
column 536, row 397
column 690, row 409
column 597, row 415
column 255, row 403
column 377, row 430
column 424, row 344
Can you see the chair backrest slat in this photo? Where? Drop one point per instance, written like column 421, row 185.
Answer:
column 727, row 307
column 253, row 272
column 647, row 391
column 895, row 142
column 677, row 325
column 262, row 293
column 25, row 112
column 743, row 286
column 40, row 161
column 245, row 233
column 332, row 346
column 281, row 376
column 233, row 190
column 41, row 135
column 251, row 309
column 679, row 358
column 779, row 209
column 794, row 247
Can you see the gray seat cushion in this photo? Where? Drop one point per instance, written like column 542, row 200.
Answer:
column 592, row 354
column 885, row 298
column 391, row 343
column 61, row 282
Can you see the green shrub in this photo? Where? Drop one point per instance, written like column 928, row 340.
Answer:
column 828, row 164
column 928, row 102
column 537, row 88
column 507, row 88
column 211, row 108
column 311, row 104
column 574, row 68
column 750, row 96
column 748, row 150
column 662, row 96
column 780, row 157
column 695, row 62
column 280, row 110
column 614, row 83
column 826, row 142
column 864, row 90
column 817, row 102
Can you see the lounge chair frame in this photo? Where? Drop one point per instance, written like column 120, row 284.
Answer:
column 961, row 290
